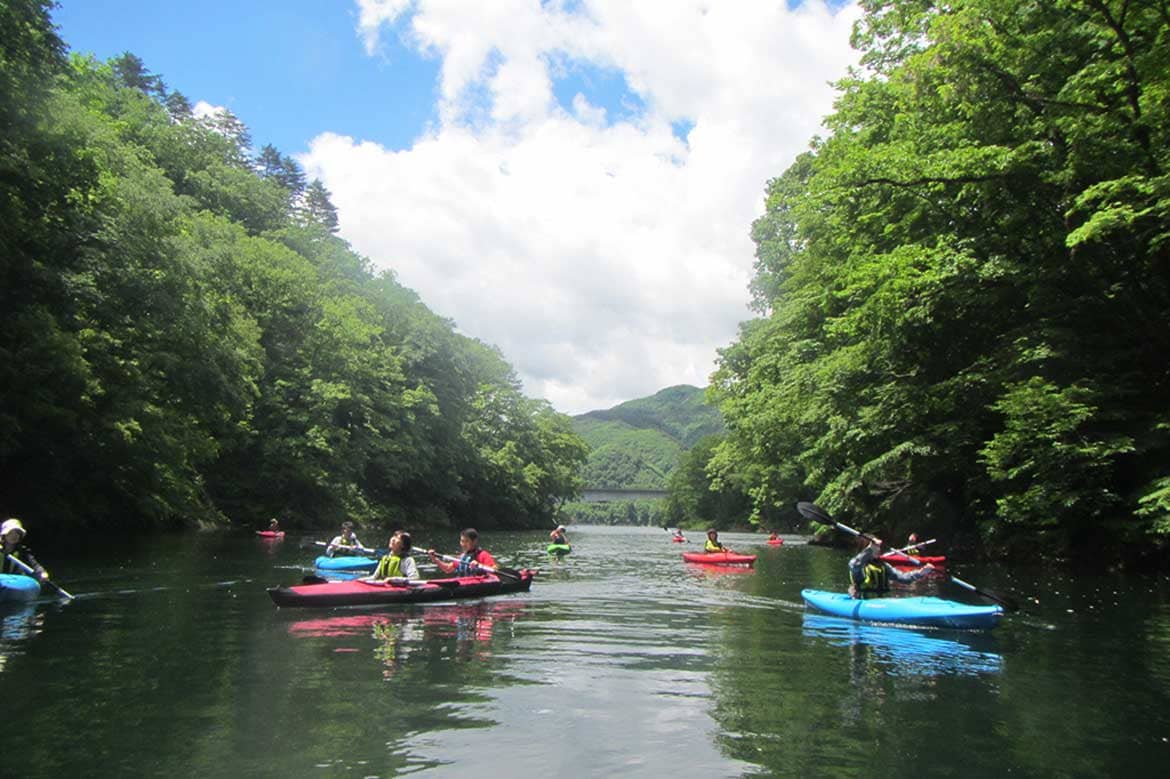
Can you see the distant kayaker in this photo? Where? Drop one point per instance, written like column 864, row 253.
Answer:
column 13, row 533
column 347, row 541
column 273, row 526
column 470, row 560
column 397, row 563
column 774, row 536
column 558, row 536
column 678, row 535
column 870, row 577
column 713, row 544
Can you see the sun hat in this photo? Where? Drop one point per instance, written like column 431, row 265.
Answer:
column 12, row 524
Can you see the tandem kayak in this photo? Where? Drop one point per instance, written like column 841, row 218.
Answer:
column 922, row 611
column 359, row 593
column 16, row 587
column 346, row 563
column 560, row 550
column 719, row 558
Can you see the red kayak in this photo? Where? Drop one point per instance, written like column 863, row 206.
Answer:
column 359, row 593
column 679, row 540
column 270, row 533
column 775, row 542
column 904, row 561
column 719, row 558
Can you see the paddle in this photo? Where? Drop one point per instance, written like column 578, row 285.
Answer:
column 365, row 550
column 21, row 565
column 817, row 514
column 511, row 573
column 906, row 549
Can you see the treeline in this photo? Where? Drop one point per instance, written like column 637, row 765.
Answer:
column 965, row 287
column 186, row 339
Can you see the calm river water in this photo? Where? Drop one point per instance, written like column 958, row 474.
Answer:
column 621, row 661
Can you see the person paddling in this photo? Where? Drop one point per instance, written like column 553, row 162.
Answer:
column 273, row 525
column 347, row 541
column 472, row 557
column 397, row 563
column 678, row 535
column 870, row 577
column 12, row 532
column 558, row 536
column 713, row 545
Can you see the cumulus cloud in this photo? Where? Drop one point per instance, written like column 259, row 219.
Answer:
column 604, row 254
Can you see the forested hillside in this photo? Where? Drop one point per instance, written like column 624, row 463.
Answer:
column 965, row 288
column 636, row 444
column 187, row 339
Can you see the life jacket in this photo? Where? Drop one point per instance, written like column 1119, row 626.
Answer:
column 713, row 546
column 388, row 566
column 874, row 580
column 465, row 568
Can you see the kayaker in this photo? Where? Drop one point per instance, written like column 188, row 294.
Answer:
column 13, row 533
column 558, row 536
column 273, row 526
column 397, row 563
column 870, row 577
column 470, row 560
column 713, row 544
column 678, row 534
column 347, row 541
column 774, row 536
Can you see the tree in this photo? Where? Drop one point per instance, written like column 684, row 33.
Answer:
column 969, row 271
column 317, row 209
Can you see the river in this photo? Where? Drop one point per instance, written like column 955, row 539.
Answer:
column 621, row 661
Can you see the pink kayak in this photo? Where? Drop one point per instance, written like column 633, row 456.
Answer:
column 719, row 558
column 270, row 533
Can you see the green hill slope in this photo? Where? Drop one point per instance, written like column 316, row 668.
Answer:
column 636, row 444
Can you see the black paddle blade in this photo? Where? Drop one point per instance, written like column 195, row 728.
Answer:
column 814, row 512
column 314, row 580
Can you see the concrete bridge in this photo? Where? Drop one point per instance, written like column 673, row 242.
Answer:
column 614, row 496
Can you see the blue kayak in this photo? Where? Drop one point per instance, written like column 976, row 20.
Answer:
column 349, row 563
column 920, row 611
column 18, row 587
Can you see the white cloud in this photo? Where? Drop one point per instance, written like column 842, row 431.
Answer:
column 606, row 259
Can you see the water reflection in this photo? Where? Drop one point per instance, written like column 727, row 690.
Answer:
column 398, row 634
column 908, row 651
column 19, row 622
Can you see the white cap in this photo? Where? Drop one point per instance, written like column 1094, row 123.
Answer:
column 10, row 525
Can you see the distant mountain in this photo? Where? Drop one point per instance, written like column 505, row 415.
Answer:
column 635, row 445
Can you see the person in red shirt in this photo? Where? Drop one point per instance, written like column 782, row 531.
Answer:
column 473, row 559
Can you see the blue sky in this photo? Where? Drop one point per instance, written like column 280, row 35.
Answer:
column 290, row 69
column 573, row 181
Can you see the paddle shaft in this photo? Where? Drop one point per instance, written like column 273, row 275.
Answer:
column 363, row 549
column 509, row 572
column 906, row 549
column 27, row 569
column 817, row 514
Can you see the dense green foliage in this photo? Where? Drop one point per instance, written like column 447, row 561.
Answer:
column 186, row 339
column 635, row 445
column 693, row 500
column 965, row 286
